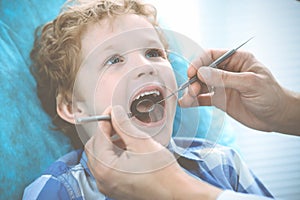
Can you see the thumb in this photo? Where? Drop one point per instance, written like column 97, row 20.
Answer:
column 220, row 78
column 134, row 139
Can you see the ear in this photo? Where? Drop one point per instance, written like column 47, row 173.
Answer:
column 67, row 110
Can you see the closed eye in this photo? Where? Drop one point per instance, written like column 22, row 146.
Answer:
column 154, row 53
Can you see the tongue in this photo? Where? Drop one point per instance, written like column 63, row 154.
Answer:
column 145, row 106
column 156, row 113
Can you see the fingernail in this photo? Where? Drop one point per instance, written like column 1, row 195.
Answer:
column 205, row 72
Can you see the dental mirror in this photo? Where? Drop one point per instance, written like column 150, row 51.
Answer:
column 148, row 107
column 144, row 106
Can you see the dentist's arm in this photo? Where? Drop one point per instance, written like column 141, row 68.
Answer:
column 252, row 94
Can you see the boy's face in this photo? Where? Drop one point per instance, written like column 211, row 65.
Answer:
column 124, row 62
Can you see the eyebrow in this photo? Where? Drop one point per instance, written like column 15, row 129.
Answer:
column 155, row 42
column 149, row 43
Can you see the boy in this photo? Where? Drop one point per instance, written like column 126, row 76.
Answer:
column 97, row 56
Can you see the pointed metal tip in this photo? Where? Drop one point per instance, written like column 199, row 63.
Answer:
column 244, row 43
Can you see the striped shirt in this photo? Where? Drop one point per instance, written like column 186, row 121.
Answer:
column 70, row 178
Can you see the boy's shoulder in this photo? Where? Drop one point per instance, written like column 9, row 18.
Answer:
column 64, row 163
column 63, row 179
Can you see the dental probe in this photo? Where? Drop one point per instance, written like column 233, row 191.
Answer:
column 92, row 118
column 213, row 65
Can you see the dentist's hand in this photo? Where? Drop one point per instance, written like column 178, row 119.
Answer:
column 247, row 91
column 142, row 168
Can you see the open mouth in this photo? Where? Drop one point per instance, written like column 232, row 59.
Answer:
column 147, row 105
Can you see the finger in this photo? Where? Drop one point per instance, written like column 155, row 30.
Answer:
column 142, row 154
column 240, row 61
column 214, row 54
column 187, row 101
column 221, row 78
column 134, row 139
column 204, row 59
column 99, row 146
column 205, row 99
column 200, row 100
column 105, row 125
column 189, row 98
column 104, row 130
column 195, row 90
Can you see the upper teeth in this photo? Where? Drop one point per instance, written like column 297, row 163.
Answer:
column 148, row 93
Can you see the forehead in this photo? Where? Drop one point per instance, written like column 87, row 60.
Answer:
column 126, row 31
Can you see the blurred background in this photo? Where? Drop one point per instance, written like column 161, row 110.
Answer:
column 274, row 158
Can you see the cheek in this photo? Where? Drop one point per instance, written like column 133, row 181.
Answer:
column 108, row 89
column 102, row 96
column 169, row 76
column 101, row 100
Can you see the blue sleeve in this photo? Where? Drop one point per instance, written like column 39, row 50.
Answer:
column 46, row 187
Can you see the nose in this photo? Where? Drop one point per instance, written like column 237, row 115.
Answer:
column 146, row 70
column 142, row 66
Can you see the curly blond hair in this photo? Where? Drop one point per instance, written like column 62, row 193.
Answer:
column 55, row 55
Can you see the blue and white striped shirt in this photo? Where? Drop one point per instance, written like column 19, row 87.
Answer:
column 70, row 178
